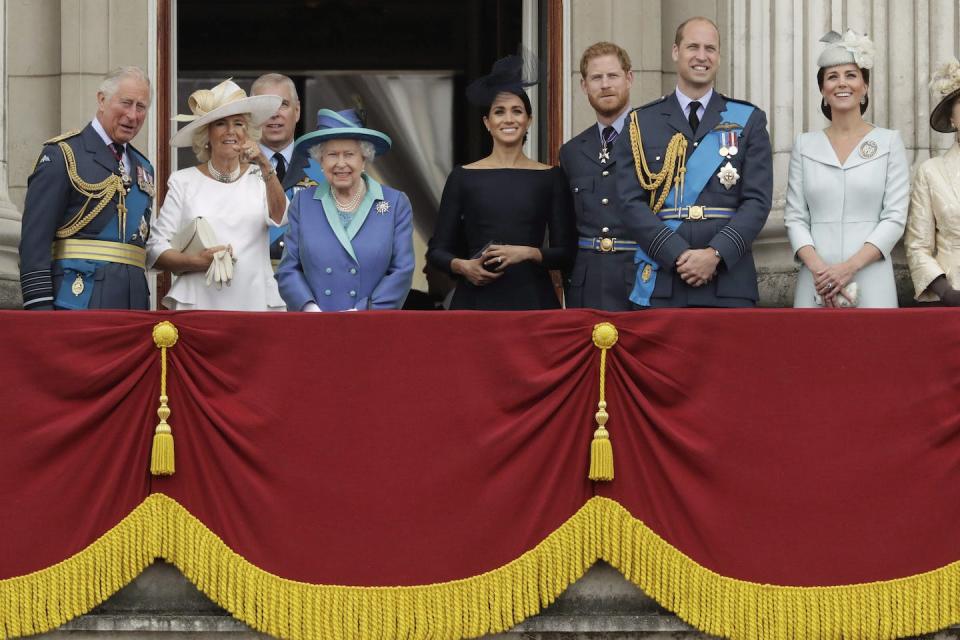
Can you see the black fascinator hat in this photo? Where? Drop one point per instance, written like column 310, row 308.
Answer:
column 509, row 75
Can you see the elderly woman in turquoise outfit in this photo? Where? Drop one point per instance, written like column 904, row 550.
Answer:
column 350, row 241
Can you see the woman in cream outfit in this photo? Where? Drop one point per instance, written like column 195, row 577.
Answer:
column 847, row 191
column 932, row 240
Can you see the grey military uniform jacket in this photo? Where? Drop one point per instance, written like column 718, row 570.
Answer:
column 735, row 285
column 598, row 280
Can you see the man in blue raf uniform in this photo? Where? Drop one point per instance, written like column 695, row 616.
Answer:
column 695, row 180
column 87, row 210
column 603, row 274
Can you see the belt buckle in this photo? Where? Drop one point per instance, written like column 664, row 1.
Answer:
column 695, row 212
column 607, row 245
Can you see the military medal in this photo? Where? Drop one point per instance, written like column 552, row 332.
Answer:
column 125, row 177
column 382, row 207
column 77, row 287
column 144, row 229
column 145, row 182
column 605, row 143
column 868, row 149
column 728, row 176
column 646, row 273
column 728, row 139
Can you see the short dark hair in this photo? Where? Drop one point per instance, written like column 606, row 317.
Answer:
column 678, row 38
column 604, row 49
column 825, row 108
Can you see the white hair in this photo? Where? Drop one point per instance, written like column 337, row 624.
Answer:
column 112, row 81
column 275, row 78
column 367, row 150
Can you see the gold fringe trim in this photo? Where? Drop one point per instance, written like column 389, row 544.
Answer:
column 488, row 603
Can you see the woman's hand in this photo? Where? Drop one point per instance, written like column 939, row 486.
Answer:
column 473, row 271
column 202, row 260
column 251, row 152
column 500, row 256
column 831, row 280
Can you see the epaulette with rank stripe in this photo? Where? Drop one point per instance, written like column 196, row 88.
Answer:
column 63, row 136
column 653, row 102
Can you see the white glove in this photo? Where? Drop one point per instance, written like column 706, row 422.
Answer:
column 220, row 271
column 311, row 307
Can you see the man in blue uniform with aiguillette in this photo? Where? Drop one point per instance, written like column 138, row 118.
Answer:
column 87, row 212
column 695, row 184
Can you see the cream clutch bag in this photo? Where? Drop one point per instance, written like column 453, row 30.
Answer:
column 197, row 237
column 194, row 238
column 852, row 292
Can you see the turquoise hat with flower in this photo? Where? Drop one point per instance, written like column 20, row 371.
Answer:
column 341, row 125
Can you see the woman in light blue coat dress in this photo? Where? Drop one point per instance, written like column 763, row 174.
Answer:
column 350, row 241
column 848, row 190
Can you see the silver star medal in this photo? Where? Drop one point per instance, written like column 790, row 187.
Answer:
column 728, row 176
column 382, row 207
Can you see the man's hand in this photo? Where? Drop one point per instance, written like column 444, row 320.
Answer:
column 697, row 266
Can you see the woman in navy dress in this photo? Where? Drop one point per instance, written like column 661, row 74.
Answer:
column 496, row 212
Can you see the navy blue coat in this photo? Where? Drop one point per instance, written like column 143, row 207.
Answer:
column 51, row 202
column 736, row 283
column 598, row 280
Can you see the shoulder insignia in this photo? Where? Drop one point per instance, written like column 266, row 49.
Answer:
column 63, row 136
column 729, row 99
column 654, row 102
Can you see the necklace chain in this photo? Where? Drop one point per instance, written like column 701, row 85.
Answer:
column 222, row 177
column 353, row 202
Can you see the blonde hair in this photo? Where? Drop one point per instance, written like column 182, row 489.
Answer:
column 200, row 142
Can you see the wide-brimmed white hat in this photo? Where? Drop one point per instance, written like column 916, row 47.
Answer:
column 225, row 99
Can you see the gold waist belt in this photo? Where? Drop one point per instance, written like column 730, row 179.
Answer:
column 102, row 250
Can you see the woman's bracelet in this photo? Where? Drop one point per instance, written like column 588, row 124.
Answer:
column 266, row 176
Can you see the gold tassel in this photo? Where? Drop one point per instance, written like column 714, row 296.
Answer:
column 601, row 449
column 162, row 462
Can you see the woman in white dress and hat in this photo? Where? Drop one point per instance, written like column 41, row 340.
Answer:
column 236, row 193
column 932, row 239
column 848, row 189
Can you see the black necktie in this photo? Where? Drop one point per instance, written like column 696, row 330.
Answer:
column 694, row 118
column 609, row 136
column 281, row 165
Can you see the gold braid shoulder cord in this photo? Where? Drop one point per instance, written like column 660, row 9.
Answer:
column 671, row 173
column 103, row 191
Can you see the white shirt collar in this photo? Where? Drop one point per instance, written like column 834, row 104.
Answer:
column 286, row 152
column 107, row 140
column 685, row 102
column 616, row 124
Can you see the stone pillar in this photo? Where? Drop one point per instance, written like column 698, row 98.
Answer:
column 632, row 24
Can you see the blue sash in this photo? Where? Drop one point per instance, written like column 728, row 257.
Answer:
column 137, row 203
column 701, row 165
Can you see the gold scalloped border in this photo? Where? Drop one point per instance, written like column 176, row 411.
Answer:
column 491, row 602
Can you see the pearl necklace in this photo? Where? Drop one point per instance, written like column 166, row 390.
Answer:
column 222, row 177
column 354, row 201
